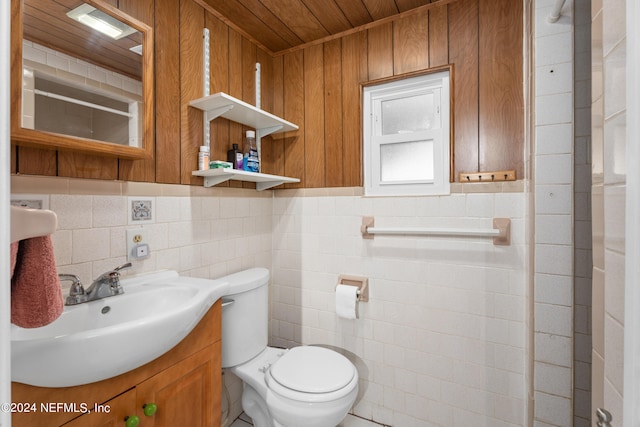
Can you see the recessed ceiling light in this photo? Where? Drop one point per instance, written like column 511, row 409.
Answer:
column 100, row 21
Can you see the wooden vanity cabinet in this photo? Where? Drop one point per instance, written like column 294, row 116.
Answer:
column 185, row 385
column 120, row 407
column 183, row 393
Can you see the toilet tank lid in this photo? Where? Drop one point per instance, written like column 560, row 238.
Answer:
column 246, row 280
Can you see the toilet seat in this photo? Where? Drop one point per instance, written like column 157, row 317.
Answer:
column 311, row 374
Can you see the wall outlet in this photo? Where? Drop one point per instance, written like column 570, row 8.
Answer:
column 137, row 244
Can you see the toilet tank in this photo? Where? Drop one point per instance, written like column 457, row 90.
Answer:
column 245, row 316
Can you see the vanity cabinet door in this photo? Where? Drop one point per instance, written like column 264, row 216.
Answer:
column 110, row 414
column 186, row 394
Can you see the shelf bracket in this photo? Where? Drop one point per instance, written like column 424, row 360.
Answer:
column 209, row 116
column 216, row 112
column 262, row 132
column 210, row 181
column 267, row 185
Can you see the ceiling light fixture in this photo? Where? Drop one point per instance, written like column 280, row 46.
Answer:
column 100, row 21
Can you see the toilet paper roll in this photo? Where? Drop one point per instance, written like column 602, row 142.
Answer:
column 347, row 301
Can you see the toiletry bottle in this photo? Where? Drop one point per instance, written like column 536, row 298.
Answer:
column 239, row 160
column 232, row 156
column 245, row 154
column 253, row 161
column 203, row 158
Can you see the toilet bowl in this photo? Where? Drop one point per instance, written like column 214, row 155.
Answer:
column 305, row 386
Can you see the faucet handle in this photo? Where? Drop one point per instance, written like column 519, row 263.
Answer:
column 114, row 277
column 76, row 285
column 77, row 293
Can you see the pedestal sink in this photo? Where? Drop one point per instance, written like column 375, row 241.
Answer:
column 101, row 339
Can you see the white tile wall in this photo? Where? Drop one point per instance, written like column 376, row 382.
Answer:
column 198, row 236
column 442, row 339
column 553, row 175
column 609, row 187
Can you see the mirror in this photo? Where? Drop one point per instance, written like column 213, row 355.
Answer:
column 74, row 87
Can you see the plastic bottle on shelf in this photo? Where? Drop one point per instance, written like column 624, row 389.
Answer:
column 203, row 158
column 251, row 159
column 234, row 156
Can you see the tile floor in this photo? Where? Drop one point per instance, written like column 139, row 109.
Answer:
column 244, row 421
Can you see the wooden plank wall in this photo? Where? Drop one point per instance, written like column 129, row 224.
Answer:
column 318, row 88
column 481, row 38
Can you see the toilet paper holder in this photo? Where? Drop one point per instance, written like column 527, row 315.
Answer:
column 362, row 283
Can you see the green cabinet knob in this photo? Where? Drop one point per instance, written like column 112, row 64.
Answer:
column 131, row 421
column 149, row 409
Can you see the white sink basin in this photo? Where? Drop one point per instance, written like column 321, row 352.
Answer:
column 101, row 339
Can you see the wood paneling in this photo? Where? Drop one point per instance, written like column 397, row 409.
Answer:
column 318, row 87
column 219, row 81
column 438, row 37
column 463, row 53
column 411, row 43
column 354, row 71
column 380, row 51
column 273, row 148
column 191, row 25
column 501, row 95
column 294, row 143
column 80, row 165
column 36, row 161
column 167, row 46
column 314, row 121
column 333, row 125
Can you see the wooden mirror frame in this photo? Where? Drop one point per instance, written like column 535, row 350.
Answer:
column 53, row 141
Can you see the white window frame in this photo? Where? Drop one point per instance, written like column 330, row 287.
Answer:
column 436, row 83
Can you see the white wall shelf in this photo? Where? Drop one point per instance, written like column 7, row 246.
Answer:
column 263, row 181
column 226, row 106
column 222, row 105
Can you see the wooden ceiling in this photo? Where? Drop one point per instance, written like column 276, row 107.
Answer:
column 277, row 25
column 45, row 22
column 284, row 24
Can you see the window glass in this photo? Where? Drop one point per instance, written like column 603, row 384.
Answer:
column 406, row 162
column 407, row 114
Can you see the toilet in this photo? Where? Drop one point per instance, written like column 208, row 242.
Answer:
column 304, row 386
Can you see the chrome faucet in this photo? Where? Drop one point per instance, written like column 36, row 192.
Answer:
column 76, row 292
column 106, row 285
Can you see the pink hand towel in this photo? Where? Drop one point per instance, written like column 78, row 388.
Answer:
column 36, row 295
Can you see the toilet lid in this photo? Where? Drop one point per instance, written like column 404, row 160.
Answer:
column 313, row 370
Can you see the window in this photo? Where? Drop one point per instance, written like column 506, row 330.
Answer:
column 406, row 136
